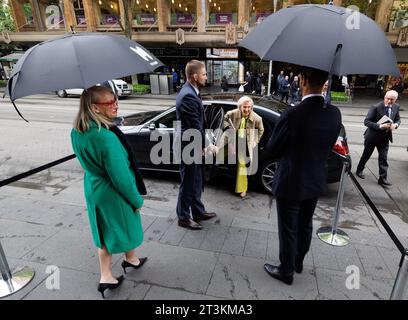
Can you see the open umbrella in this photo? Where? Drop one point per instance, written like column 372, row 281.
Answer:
column 77, row 60
column 335, row 39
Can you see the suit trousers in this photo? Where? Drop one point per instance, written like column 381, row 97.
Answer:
column 382, row 149
column 191, row 187
column 295, row 225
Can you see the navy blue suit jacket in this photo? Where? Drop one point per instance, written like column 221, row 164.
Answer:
column 190, row 111
column 302, row 141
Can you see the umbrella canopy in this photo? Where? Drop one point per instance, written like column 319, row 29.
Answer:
column 309, row 35
column 78, row 60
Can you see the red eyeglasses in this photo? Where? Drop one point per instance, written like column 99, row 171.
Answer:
column 111, row 103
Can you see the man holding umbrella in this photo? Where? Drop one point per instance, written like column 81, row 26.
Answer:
column 302, row 141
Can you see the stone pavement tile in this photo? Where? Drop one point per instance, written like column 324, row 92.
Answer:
column 173, row 267
column 262, row 224
column 256, row 244
column 392, row 258
column 368, row 238
column 158, row 228
column 235, row 241
column 79, row 285
column 70, row 249
column 244, row 278
column 161, row 293
column 38, row 280
column 193, row 238
column 147, row 221
column 214, row 238
column 18, row 238
column 332, row 286
column 373, row 263
column 44, row 212
column 174, row 234
column 335, row 258
column 272, row 254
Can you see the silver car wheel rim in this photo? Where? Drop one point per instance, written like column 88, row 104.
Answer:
column 267, row 176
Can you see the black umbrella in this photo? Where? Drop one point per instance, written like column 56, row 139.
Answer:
column 78, row 60
column 335, row 39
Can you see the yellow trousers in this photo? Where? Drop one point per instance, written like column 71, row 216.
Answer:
column 242, row 179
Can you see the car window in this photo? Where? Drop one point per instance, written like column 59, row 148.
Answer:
column 166, row 121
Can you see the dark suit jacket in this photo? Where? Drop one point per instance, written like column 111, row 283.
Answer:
column 302, row 141
column 373, row 133
column 190, row 112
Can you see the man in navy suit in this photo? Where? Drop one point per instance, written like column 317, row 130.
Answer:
column 378, row 135
column 302, row 141
column 190, row 113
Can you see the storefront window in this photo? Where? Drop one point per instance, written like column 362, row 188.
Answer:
column 79, row 13
column 260, row 10
column 109, row 13
column 219, row 66
column 183, row 12
column 399, row 15
column 52, row 14
column 144, row 12
column 222, row 12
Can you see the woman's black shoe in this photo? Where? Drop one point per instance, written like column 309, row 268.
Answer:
column 103, row 286
column 126, row 264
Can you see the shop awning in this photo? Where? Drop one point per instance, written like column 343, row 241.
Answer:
column 13, row 57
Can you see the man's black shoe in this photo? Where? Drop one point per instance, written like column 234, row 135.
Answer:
column 190, row 224
column 205, row 216
column 360, row 174
column 384, row 182
column 298, row 267
column 275, row 272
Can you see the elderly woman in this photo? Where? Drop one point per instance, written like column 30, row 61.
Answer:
column 111, row 183
column 248, row 129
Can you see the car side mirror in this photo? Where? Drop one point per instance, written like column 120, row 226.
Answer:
column 152, row 126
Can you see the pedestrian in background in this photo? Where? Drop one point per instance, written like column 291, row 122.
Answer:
column 302, row 141
column 285, row 87
column 224, row 84
column 378, row 135
column 294, row 91
column 247, row 131
column 110, row 183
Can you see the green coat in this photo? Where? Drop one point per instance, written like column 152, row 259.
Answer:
column 110, row 190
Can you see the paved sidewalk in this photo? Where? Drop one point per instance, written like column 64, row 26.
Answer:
column 44, row 222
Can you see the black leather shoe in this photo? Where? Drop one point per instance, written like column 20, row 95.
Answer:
column 275, row 272
column 384, row 182
column 126, row 264
column 360, row 174
column 298, row 267
column 205, row 216
column 103, row 286
column 189, row 224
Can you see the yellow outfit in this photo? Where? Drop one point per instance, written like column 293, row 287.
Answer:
column 242, row 180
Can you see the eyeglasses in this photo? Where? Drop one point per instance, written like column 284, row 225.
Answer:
column 111, row 103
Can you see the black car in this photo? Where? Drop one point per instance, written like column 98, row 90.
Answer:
column 139, row 127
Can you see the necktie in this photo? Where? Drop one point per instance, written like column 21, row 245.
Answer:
column 389, row 111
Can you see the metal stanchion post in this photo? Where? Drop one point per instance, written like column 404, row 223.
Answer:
column 332, row 235
column 12, row 282
column 400, row 284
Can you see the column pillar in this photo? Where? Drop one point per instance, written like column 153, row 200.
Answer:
column 243, row 12
column 17, row 12
column 163, row 11
column 90, row 15
column 201, row 15
column 38, row 20
column 382, row 16
column 338, row 2
column 69, row 15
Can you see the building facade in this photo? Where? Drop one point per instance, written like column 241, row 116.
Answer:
column 179, row 30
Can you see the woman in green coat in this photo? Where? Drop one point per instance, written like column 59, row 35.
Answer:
column 112, row 197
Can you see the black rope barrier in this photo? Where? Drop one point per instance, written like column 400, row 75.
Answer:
column 35, row 170
column 387, row 228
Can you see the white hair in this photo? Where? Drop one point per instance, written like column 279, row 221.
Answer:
column 244, row 99
column 392, row 93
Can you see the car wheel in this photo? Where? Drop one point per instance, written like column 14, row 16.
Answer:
column 266, row 175
column 62, row 93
